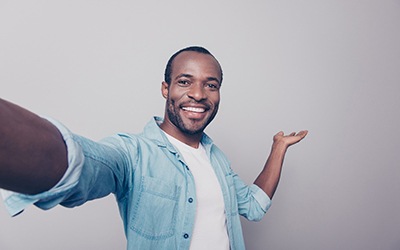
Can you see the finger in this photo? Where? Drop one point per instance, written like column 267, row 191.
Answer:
column 293, row 134
column 302, row 133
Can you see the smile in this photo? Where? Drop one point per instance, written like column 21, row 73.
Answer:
column 194, row 109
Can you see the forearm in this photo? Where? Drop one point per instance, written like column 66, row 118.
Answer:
column 33, row 156
column 269, row 177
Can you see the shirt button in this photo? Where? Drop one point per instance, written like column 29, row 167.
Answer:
column 190, row 200
column 186, row 236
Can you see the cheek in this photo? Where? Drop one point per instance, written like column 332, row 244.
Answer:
column 215, row 99
column 176, row 93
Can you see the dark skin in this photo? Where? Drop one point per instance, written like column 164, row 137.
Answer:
column 192, row 96
column 269, row 177
column 33, row 155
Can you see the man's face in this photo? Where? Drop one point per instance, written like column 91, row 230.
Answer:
column 193, row 94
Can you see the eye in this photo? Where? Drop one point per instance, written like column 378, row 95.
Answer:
column 183, row 82
column 213, row 86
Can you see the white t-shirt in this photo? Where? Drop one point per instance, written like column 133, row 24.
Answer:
column 210, row 222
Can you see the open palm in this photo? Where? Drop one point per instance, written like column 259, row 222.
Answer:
column 291, row 138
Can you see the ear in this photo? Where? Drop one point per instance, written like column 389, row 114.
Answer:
column 164, row 89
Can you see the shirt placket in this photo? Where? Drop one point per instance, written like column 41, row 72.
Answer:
column 189, row 213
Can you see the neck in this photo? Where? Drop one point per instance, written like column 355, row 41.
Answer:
column 192, row 140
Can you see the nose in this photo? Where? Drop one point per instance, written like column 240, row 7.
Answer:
column 197, row 92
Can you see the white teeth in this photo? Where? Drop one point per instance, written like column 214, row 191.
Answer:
column 194, row 109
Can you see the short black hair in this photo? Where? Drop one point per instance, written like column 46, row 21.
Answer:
column 198, row 49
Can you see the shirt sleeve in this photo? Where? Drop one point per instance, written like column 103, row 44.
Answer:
column 16, row 202
column 95, row 169
column 253, row 202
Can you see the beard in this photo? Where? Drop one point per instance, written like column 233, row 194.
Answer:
column 191, row 127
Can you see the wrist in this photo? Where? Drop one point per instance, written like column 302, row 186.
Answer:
column 279, row 146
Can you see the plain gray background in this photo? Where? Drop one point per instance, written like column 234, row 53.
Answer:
column 332, row 67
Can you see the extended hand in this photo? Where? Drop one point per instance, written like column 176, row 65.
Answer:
column 269, row 176
column 288, row 140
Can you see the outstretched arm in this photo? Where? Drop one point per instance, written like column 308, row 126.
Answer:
column 33, row 155
column 269, row 177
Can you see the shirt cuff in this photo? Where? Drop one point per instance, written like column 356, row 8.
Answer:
column 16, row 202
column 261, row 197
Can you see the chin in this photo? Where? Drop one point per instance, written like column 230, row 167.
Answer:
column 193, row 130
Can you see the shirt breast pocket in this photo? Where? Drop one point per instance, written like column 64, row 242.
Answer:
column 154, row 215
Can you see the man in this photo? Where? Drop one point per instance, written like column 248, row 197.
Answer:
column 175, row 188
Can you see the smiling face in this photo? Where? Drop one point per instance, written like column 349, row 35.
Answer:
column 192, row 96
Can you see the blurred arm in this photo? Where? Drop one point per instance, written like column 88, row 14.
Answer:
column 33, row 155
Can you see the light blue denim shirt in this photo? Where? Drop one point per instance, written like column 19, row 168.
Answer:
column 153, row 186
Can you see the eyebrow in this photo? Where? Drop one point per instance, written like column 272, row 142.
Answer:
column 213, row 79
column 191, row 76
column 184, row 75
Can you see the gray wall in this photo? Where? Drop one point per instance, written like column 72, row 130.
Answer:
column 332, row 67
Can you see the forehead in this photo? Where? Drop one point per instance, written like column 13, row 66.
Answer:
column 196, row 64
